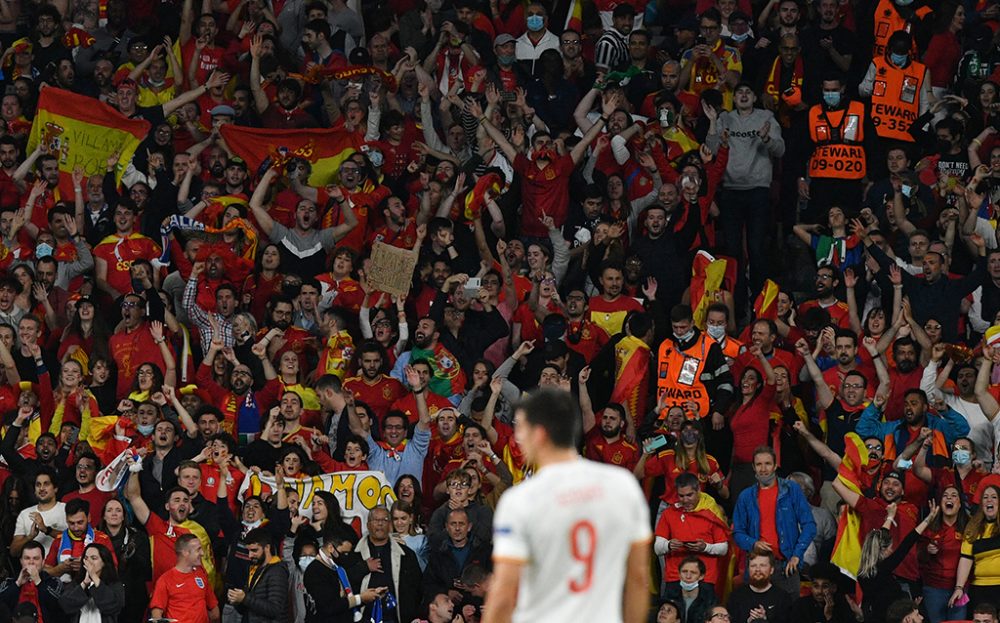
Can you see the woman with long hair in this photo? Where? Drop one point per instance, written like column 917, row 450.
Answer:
column 133, row 554
column 407, row 488
column 327, row 518
column 102, row 383
column 687, row 456
column 15, row 497
column 879, row 560
column 149, row 379
column 751, row 422
column 406, row 531
column 978, row 547
column 938, row 553
column 86, row 331
column 95, row 590
column 73, row 401
column 263, row 282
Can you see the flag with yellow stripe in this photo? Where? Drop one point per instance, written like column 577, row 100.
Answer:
column 324, row 149
column 81, row 131
column 847, row 548
column 766, row 305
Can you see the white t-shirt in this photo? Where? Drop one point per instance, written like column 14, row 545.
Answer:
column 572, row 524
column 55, row 517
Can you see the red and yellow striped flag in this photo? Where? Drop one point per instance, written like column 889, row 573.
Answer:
column 766, row 305
column 324, row 149
column 631, row 376
column 81, row 131
column 574, row 18
column 707, row 277
column 847, row 548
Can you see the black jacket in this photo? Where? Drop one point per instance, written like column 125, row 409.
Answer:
column 699, row 608
column 108, row 598
column 48, row 597
column 442, row 569
column 326, row 599
column 266, row 596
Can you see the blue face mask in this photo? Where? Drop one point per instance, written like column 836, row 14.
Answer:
column 688, row 586
column 145, row 429
column 506, row 60
column 740, row 38
column 831, row 98
column 42, row 249
column 961, row 457
column 904, row 2
column 535, row 22
column 899, row 59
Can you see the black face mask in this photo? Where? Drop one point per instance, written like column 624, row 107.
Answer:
column 217, row 170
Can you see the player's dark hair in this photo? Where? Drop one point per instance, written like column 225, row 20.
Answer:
column 556, row 412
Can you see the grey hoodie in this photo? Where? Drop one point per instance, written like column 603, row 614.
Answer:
column 749, row 157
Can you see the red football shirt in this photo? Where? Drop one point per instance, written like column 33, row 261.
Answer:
column 184, row 597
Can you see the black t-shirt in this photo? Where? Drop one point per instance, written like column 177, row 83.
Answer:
column 775, row 601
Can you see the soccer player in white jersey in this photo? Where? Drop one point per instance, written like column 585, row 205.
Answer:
column 570, row 544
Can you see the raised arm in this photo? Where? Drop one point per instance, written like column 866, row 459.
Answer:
column 260, row 98
column 257, row 202
column 986, row 401
column 832, row 458
column 608, row 106
column 134, row 496
column 217, row 79
column 824, row 397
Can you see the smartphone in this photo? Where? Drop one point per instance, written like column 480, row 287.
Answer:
column 508, row 96
column 654, row 443
column 472, row 286
column 701, row 40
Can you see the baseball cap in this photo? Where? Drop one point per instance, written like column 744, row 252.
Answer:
column 898, row 475
column 222, row 109
column 236, row 161
column 502, row 39
column 359, row 56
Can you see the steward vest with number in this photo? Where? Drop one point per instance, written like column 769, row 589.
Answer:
column 888, row 20
column 679, row 372
column 896, row 98
column 838, row 136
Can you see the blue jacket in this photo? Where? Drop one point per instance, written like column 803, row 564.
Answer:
column 951, row 424
column 794, row 521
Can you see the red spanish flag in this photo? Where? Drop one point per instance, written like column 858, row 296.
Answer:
column 708, row 276
column 766, row 305
column 631, row 376
column 574, row 17
column 847, row 548
column 81, row 131
column 324, row 149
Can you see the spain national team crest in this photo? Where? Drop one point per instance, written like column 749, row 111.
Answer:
column 387, row 392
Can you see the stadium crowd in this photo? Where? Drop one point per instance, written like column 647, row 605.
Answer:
column 756, row 239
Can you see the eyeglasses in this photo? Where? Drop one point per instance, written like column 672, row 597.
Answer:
column 873, row 447
column 824, row 277
column 129, row 304
column 571, row 42
column 394, row 427
column 853, row 386
column 458, row 485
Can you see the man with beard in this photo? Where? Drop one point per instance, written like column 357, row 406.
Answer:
column 827, row 281
column 85, row 478
column 304, row 246
column 760, row 599
column 609, row 309
column 762, row 532
column 962, row 398
column 236, row 177
column 98, row 85
column 399, row 230
column 264, row 582
column 905, row 374
column 873, row 515
column 448, row 378
column 470, row 324
column 66, row 551
column 947, row 427
column 280, row 336
column 611, row 50
column 657, row 249
column 44, row 521
column 163, row 534
column 71, row 252
column 583, row 336
column 607, row 443
column 10, row 154
column 46, row 168
column 377, row 390
column 240, row 405
column 225, row 298
column 46, row 448
column 48, row 46
column 846, row 359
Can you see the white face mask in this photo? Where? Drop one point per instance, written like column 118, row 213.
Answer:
column 717, row 331
column 305, row 561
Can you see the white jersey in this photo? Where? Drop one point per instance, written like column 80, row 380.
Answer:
column 572, row 526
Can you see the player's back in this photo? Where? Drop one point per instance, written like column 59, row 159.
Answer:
column 572, row 525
